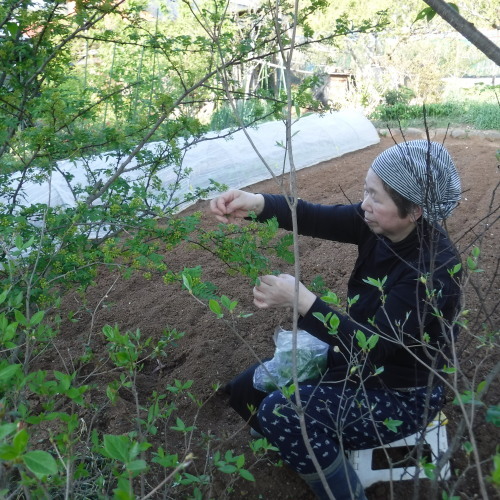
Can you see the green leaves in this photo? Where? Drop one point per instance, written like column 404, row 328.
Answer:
column 215, row 308
column 493, row 415
column 288, row 390
column 429, row 468
column 470, row 397
column 473, row 261
column 8, row 371
column 125, row 450
column 230, row 464
column 180, row 426
column 330, row 321
column 246, row 249
column 428, row 13
column 495, row 473
column 261, row 446
column 455, row 269
column 14, row 451
column 392, row 424
column 366, row 344
column 124, row 348
column 187, row 281
column 227, row 303
column 7, row 429
column 352, row 300
column 22, row 245
column 378, row 283
column 192, row 282
column 33, row 321
column 117, row 447
column 179, row 386
column 318, row 285
column 448, row 369
column 41, row 463
column 331, row 298
column 467, row 447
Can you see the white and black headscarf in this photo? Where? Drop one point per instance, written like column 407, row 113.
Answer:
column 424, row 173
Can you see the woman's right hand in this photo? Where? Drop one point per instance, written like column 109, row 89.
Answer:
column 235, row 204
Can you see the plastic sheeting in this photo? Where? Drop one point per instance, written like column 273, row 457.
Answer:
column 233, row 161
column 315, row 139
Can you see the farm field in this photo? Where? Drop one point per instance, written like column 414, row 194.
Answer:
column 210, row 352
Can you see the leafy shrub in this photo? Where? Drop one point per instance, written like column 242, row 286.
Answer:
column 480, row 115
column 249, row 111
column 401, row 95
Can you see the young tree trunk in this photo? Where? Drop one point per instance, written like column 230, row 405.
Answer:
column 467, row 29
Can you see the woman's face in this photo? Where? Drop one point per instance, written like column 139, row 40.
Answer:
column 381, row 213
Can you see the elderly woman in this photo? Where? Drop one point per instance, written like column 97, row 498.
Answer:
column 401, row 290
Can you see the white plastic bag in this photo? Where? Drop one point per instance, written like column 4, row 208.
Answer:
column 277, row 372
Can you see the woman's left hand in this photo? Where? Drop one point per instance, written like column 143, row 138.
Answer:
column 279, row 291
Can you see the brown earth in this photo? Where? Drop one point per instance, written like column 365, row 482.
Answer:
column 211, row 352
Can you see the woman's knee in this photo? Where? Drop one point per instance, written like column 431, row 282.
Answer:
column 274, row 406
column 244, row 398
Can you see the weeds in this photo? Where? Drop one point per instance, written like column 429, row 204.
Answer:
column 473, row 109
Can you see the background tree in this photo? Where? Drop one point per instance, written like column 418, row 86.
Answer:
column 467, row 29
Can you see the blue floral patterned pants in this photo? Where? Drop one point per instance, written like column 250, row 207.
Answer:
column 340, row 418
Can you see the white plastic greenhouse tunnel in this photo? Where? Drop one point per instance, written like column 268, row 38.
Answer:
column 231, row 161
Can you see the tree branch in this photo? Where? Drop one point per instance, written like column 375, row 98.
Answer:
column 466, row 29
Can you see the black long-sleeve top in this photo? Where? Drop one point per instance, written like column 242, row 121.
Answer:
column 414, row 315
